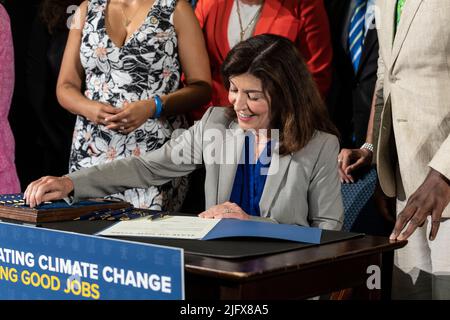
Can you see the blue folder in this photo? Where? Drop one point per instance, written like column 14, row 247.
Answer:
column 227, row 228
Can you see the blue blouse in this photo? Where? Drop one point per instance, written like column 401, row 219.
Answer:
column 251, row 177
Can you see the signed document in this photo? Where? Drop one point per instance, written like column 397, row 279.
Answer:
column 178, row 227
column 195, row 228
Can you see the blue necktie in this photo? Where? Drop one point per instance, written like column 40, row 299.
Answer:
column 356, row 32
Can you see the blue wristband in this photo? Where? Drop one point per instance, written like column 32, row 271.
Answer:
column 159, row 107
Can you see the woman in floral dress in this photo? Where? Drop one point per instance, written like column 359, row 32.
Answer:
column 128, row 56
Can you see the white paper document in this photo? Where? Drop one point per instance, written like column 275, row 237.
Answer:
column 178, row 227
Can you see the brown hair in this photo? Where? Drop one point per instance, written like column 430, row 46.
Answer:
column 297, row 109
column 54, row 13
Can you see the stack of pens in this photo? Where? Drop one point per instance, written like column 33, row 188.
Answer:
column 118, row 214
column 107, row 214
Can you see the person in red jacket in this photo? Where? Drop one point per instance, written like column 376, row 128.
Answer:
column 226, row 22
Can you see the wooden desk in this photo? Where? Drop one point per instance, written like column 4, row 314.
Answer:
column 296, row 274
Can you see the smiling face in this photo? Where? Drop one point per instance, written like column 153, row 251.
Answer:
column 250, row 104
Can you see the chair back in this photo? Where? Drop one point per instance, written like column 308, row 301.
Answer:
column 355, row 196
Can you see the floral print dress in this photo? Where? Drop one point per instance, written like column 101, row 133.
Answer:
column 147, row 64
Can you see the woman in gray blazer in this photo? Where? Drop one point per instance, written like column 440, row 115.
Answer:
column 271, row 157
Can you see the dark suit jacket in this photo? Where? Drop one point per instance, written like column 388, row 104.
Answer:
column 350, row 97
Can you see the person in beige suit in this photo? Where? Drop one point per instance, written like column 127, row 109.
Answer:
column 412, row 103
column 278, row 109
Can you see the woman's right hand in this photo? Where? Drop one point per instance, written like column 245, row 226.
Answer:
column 351, row 159
column 100, row 112
column 47, row 189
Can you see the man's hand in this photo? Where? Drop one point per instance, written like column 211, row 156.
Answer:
column 351, row 159
column 131, row 116
column 47, row 189
column 225, row 210
column 431, row 198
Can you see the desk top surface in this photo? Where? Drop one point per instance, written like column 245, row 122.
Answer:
column 251, row 267
column 292, row 260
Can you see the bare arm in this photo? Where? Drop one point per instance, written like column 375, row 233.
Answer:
column 194, row 62
column 71, row 77
column 369, row 136
column 352, row 159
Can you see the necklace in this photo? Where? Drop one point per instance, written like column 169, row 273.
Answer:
column 244, row 30
column 127, row 21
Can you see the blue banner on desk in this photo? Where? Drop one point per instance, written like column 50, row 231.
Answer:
column 46, row 264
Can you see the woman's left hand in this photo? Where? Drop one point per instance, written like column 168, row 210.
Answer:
column 225, row 211
column 132, row 116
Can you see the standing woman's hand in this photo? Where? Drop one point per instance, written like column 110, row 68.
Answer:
column 351, row 159
column 101, row 112
column 131, row 116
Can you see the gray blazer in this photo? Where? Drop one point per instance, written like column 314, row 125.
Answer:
column 302, row 188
